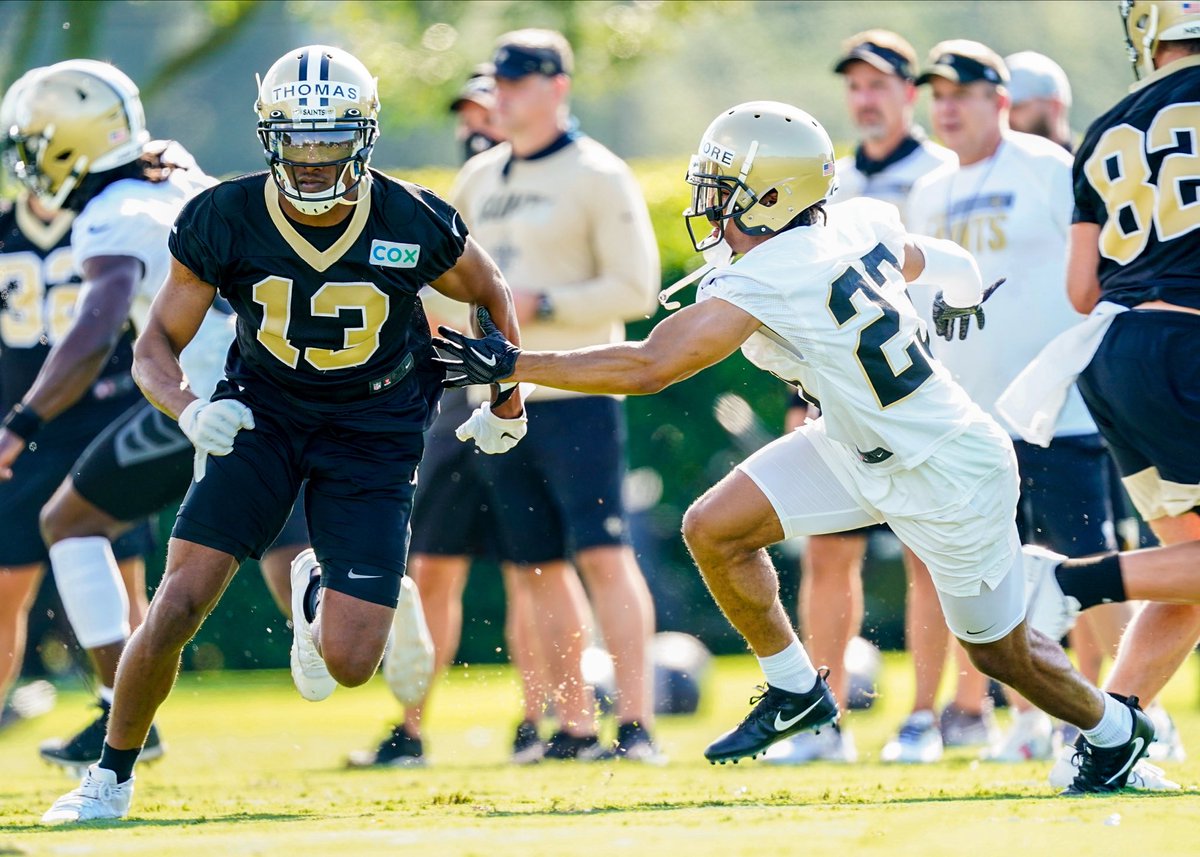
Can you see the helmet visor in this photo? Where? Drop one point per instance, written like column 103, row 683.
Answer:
column 314, row 148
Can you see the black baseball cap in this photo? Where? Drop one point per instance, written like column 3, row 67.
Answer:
column 527, row 52
column 882, row 50
column 964, row 61
column 480, row 89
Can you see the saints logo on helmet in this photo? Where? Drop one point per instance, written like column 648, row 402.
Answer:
column 1148, row 22
column 748, row 152
column 71, row 120
column 318, row 107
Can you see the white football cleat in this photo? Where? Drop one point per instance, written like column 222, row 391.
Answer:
column 408, row 662
column 309, row 672
column 98, row 797
column 1047, row 608
column 918, row 742
column 1168, row 743
column 1030, row 738
column 1143, row 778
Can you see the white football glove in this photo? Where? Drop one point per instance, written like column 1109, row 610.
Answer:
column 212, row 427
column 492, row 434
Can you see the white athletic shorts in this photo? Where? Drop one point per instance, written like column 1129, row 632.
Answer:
column 956, row 511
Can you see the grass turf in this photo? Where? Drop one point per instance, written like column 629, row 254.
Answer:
column 253, row 769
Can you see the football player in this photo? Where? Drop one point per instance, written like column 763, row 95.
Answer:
column 819, row 299
column 878, row 68
column 1135, row 267
column 40, row 285
column 330, row 380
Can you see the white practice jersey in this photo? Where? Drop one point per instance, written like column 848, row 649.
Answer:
column 1012, row 211
column 895, row 178
column 837, row 322
column 132, row 217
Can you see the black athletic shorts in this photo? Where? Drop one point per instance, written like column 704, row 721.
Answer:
column 361, row 474
column 451, row 510
column 1143, row 390
column 1065, row 501
column 38, row 472
column 559, row 490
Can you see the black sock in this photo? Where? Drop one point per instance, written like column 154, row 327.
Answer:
column 312, row 597
column 120, row 762
column 1093, row 580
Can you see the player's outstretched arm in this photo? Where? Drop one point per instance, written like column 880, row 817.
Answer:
column 961, row 295
column 176, row 315
column 677, row 348
column 476, row 280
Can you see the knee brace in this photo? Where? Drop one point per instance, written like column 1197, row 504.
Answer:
column 92, row 592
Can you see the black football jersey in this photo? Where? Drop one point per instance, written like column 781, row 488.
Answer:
column 39, row 286
column 322, row 313
column 1137, row 175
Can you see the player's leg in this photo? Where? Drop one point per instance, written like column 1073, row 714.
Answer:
column 830, row 610
column 276, row 562
column 18, row 586
column 529, row 658
column 441, row 581
column 783, row 490
column 137, row 465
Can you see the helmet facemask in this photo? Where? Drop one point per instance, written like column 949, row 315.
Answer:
column 718, row 198
column 345, row 145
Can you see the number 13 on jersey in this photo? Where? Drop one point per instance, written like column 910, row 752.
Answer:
column 274, row 295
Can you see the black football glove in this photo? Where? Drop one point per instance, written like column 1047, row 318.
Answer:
column 476, row 361
column 944, row 315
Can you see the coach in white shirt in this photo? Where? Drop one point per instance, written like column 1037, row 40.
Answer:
column 1009, row 202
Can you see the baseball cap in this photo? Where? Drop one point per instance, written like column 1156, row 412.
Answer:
column 882, row 50
column 1035, row 75
column 964, row 61
column 480, row 89
column 524, row 52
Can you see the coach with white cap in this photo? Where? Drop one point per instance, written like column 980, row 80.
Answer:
column 1041, row 97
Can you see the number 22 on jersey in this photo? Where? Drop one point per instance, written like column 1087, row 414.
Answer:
column 274, row 295
column 892, row 360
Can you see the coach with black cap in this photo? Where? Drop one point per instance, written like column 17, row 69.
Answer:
column 565, row 220
column 879, row 68
column 473, row 107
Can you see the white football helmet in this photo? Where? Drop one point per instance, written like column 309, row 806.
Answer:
column 318, row 107
column 70, row 120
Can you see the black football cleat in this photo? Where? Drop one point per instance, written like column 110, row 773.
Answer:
column 83, row 748
column 777, row 714
column 397, row 750
column 564, row 746
column 1107, row 769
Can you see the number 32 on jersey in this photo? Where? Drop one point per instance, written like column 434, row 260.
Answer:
column 274, row 295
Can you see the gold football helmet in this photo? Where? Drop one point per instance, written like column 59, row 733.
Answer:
column 749, row 151
column 70, row 120
column 318, row 107
column 1148, row 22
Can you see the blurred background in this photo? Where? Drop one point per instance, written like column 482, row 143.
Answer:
column 650, row 75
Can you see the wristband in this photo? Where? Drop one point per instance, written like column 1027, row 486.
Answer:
column 23, row 422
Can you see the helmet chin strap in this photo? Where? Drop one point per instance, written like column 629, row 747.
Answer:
column 322, row 203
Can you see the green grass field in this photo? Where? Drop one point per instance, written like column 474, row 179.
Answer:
column 253, row 769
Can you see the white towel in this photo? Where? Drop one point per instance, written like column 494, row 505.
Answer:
column 1032, row 402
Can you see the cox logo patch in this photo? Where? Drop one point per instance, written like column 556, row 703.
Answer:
column 389, row 254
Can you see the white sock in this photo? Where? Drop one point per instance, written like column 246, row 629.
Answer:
column 92, row 592
column 790, row 670
column 106, row 693
column 1115, row 726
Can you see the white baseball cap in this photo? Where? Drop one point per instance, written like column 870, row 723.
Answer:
column 1033, row 75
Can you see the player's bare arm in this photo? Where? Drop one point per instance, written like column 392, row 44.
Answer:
column 476, row 280
column 685, row 343
column 75, row 362
column 1083, row 263
column 174, row 318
